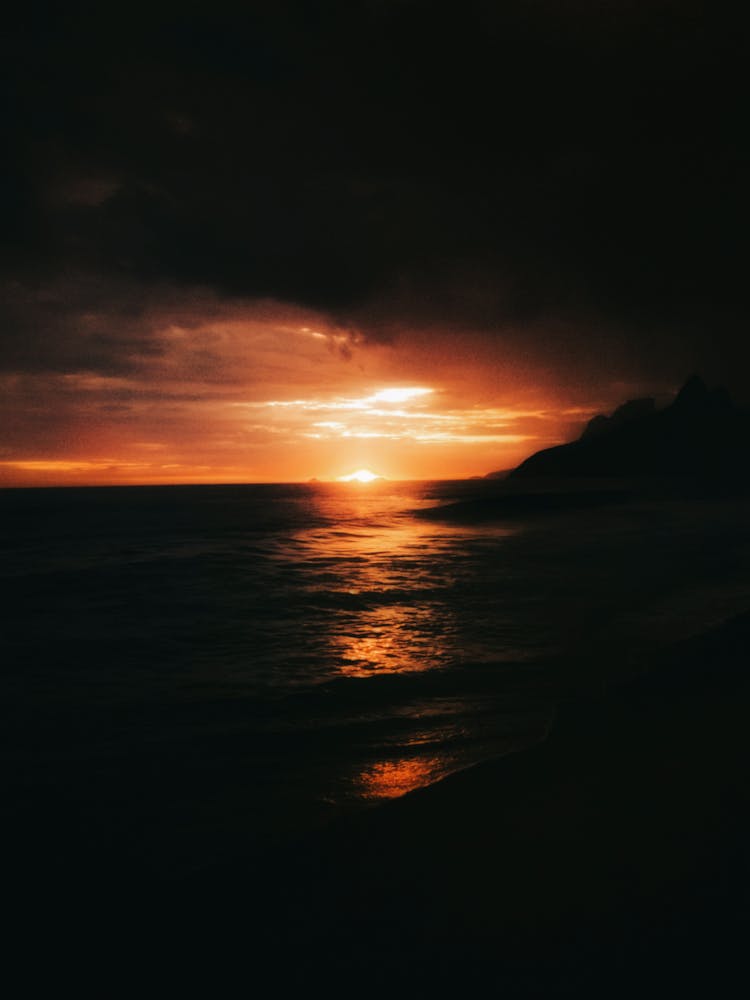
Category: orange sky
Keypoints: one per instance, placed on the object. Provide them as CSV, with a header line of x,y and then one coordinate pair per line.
x,y
205,391
525,254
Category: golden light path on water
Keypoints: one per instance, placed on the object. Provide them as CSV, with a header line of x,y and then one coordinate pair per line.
x,y
392,578
391,575
391,640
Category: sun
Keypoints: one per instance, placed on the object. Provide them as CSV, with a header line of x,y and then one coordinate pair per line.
x,y
360,476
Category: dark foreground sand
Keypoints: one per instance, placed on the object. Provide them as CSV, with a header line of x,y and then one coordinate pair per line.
x,y
609,860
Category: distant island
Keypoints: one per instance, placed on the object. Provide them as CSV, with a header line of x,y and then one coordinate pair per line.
x,y
702,433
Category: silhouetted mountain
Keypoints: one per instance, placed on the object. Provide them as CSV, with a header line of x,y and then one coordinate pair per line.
x,y
632,410
702,433
498,474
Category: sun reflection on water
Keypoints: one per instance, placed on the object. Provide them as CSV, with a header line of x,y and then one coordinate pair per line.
x,y
391,639
384,582
391,778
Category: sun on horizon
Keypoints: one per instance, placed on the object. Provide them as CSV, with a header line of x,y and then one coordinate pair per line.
x,y
360,476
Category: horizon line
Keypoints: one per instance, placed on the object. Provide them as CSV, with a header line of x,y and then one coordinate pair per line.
x,y
259,482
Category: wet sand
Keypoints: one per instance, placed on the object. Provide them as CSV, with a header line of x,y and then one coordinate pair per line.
x,y
612,857
609,859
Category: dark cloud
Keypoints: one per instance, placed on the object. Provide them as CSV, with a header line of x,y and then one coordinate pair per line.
x,y
527,165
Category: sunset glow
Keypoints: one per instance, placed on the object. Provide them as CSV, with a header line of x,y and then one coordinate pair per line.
x,y
329,288
360,476
375,415
199,390
399,395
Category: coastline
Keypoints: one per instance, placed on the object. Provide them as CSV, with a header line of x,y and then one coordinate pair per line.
x,y
605,855
610,857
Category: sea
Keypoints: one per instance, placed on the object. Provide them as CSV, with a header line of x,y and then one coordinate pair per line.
x,y
192,672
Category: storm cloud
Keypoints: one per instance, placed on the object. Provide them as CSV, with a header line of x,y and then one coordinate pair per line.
x,y
563,186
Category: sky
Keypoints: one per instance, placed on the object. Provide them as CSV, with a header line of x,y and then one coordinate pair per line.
x,y
278,241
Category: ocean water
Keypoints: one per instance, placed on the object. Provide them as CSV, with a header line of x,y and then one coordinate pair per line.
x,y
190,670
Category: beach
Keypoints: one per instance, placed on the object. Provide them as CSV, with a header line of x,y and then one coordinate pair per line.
x,y
567,823
374,500
608,859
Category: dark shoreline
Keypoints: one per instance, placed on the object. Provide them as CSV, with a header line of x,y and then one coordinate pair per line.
x,y
604,856
611,856
609,859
